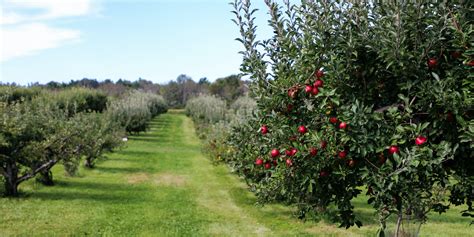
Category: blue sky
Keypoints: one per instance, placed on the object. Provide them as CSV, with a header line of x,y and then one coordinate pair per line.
x,y
59,40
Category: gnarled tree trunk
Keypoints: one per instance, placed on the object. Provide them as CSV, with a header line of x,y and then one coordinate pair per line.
x,y
11,180
89,163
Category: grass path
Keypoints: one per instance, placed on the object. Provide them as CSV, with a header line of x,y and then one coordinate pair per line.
x,y
161,185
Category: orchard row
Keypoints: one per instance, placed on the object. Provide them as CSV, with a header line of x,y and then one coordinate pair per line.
x,y
40,129
353,95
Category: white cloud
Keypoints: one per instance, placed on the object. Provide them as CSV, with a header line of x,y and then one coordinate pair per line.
x,y
25,28
27,39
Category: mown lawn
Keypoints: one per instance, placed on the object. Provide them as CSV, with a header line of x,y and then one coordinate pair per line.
x,y
161,185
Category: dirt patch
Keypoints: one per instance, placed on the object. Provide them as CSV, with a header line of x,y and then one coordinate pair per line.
x,y
138,178
167,179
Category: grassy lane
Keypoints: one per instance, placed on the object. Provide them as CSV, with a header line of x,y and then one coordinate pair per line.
x,y
161,185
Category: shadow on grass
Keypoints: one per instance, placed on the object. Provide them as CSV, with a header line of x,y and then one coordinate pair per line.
x,y
97,197
133,154
124,170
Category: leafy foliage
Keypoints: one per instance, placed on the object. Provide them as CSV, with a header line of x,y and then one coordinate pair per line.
x,y
136,110
361,78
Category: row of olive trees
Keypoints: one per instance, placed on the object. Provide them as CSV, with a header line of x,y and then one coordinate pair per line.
x,y
40,130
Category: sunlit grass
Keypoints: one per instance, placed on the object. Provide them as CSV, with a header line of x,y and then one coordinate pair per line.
x,y
162,185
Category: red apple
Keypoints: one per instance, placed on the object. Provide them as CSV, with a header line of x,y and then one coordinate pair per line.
x,y
275,163
324,144
319,73
315,91
323,174
275,153
420,140
313,151
308,89
393,149
289,162
342,154
291,152
259,161
302,129
471,63
267,165
264,129
343,125
333,120
318,83
432,63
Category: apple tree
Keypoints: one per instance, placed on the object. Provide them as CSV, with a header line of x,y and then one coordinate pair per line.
x,y
353,94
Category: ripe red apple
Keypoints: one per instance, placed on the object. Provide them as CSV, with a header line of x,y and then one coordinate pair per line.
x,y
291,152
319,73
351,163
308,89
420,140
318,83
267,165
471,63
259,161
315,91
275,163
393,149
342,154
432,63
275,153
333,120
323,174
302,129
343,125
324,144
264,129
289,162
313,151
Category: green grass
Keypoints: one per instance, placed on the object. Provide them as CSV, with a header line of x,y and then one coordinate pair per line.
x,y
161,185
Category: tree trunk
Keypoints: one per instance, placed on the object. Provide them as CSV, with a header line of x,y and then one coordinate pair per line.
x,y
399,222
11,180
46,177
88,162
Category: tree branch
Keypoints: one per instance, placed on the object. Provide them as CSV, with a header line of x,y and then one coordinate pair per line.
x,y
45,166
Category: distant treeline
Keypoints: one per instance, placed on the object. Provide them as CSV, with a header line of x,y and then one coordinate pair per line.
x,y
176,92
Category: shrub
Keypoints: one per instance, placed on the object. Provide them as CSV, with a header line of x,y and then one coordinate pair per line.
x,y
77,100
366,94
12,94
